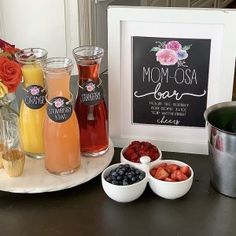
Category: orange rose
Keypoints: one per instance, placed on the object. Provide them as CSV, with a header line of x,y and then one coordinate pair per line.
x,y
10,73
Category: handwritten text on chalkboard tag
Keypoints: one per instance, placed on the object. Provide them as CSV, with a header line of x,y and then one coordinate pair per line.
x,y
34,96
90,93
59,109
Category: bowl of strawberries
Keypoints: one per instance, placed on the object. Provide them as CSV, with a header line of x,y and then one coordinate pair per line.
x,y
170,179
138,153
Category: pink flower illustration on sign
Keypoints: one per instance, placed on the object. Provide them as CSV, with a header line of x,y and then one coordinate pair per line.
x,y
34,91
166,57
174,45
90,87
58,103
171,53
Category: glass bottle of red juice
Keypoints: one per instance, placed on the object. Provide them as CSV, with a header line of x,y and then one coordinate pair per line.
x,y
90,105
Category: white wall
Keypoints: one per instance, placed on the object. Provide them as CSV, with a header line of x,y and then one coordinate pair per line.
x,y
32,23
50,24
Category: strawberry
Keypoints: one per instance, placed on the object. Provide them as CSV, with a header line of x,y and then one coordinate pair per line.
x,y
163,165
185,170
174,175
172,167
161,174
180,176
153,172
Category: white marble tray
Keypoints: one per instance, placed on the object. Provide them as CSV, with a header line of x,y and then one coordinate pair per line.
x,y
36,179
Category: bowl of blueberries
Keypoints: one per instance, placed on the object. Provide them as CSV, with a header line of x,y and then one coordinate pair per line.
x,y
124,182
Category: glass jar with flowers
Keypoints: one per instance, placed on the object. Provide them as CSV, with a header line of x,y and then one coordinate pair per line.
x,y
10,78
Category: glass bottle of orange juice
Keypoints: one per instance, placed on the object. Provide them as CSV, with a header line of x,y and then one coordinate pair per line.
x,y
61,129
33,105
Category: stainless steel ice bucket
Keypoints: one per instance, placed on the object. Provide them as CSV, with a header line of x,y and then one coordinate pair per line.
x,y
221,122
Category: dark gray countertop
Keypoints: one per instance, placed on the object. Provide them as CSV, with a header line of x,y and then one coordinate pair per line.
x,y
86,210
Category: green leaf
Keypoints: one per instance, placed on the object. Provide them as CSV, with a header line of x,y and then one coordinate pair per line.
x,y
155,49
187,47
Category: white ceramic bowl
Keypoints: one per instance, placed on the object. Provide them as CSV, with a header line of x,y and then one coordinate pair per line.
x,y
121,193
139,165
170,190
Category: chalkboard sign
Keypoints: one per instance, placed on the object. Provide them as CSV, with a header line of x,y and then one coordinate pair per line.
x,y
170,80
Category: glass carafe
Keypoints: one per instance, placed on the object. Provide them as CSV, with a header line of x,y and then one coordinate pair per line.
x,y
90,106
32,108
61,129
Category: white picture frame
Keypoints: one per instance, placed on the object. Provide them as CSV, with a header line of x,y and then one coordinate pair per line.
x,y
125,23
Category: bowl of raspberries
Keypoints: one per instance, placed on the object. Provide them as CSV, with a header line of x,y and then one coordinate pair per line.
x,y
140,152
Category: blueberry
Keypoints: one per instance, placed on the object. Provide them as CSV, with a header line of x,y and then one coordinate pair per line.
x,y
129,175
119,177
125,178
108,179
133,179
121,172
114,182
114,174
132,172
117,170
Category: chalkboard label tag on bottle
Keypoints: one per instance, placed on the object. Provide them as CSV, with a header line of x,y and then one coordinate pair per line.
x,y
90,93
34,96
59,109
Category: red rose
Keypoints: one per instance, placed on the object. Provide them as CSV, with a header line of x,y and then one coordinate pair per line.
x,y
10,73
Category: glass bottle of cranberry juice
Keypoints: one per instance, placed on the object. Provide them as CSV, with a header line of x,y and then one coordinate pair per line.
x,y
90,105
